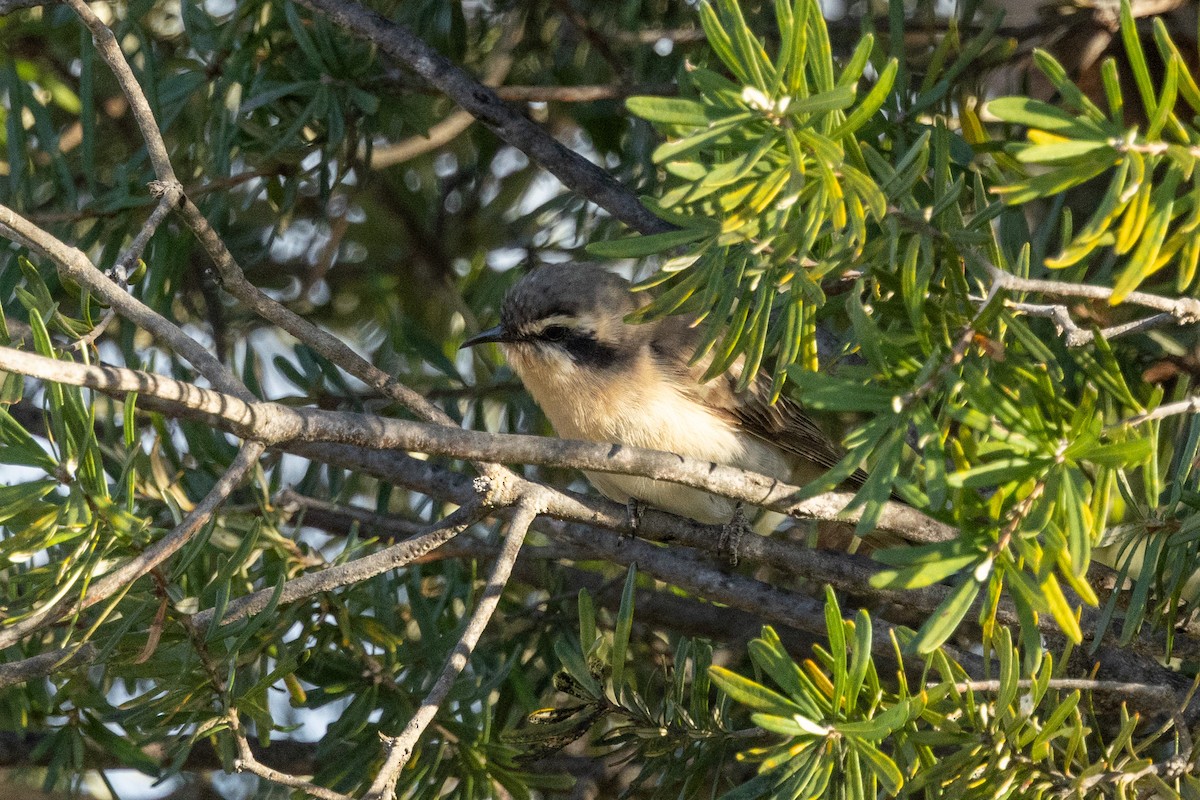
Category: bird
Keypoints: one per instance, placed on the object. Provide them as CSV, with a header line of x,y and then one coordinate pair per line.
x,y
600,378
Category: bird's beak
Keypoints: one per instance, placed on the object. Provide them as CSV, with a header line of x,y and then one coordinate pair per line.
x,y
496,334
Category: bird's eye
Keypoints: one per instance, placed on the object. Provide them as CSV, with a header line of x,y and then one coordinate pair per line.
x,y
555,333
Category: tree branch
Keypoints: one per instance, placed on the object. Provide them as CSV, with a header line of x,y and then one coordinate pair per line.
x,y
576,173
399,748
399,469
273,423
44,664
495,69
74,266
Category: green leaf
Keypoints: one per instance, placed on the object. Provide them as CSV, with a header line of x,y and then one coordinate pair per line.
x,y
1042,116
1053,724
19,497
998,472
673,110
827,393
1187,83
1144,260
1058,151
882,725
750,54
768,654
860,663
679,147
1064,615
946,617
622,631
927,573
587,620
1166,102
1132,40
836,629
1077,516
833,100
572,661
870,104
123,749
884,768
641,246
1058,180
1116,455
12,388
1065,86
858,61
752,694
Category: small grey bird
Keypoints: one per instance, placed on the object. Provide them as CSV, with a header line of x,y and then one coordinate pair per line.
x,y
601,379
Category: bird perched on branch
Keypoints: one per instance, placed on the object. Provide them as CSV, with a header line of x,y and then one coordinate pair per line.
x,y
602,379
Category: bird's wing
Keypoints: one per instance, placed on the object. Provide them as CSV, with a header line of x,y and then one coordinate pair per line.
x,y
783,423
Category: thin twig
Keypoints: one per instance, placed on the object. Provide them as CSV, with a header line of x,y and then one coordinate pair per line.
x,y
593,37
1075,336
89,338
1189,406
168,195
584,93
399,748
1160,695
1184,309
108,48
233,280
246,762
167,188
353,572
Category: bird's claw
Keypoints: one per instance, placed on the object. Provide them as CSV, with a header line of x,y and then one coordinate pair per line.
x,y
634,509
731,535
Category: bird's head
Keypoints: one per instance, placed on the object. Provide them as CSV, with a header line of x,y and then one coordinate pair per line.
x,y
563,319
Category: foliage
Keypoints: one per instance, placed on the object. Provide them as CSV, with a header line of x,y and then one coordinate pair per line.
x,y
822,185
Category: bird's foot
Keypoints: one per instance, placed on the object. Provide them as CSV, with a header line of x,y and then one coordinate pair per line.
x,y
731,535
634,509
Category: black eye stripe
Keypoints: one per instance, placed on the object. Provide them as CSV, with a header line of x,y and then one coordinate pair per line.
x,y
588,351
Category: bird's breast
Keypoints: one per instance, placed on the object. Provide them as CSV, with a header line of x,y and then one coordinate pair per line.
x,y
642,408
